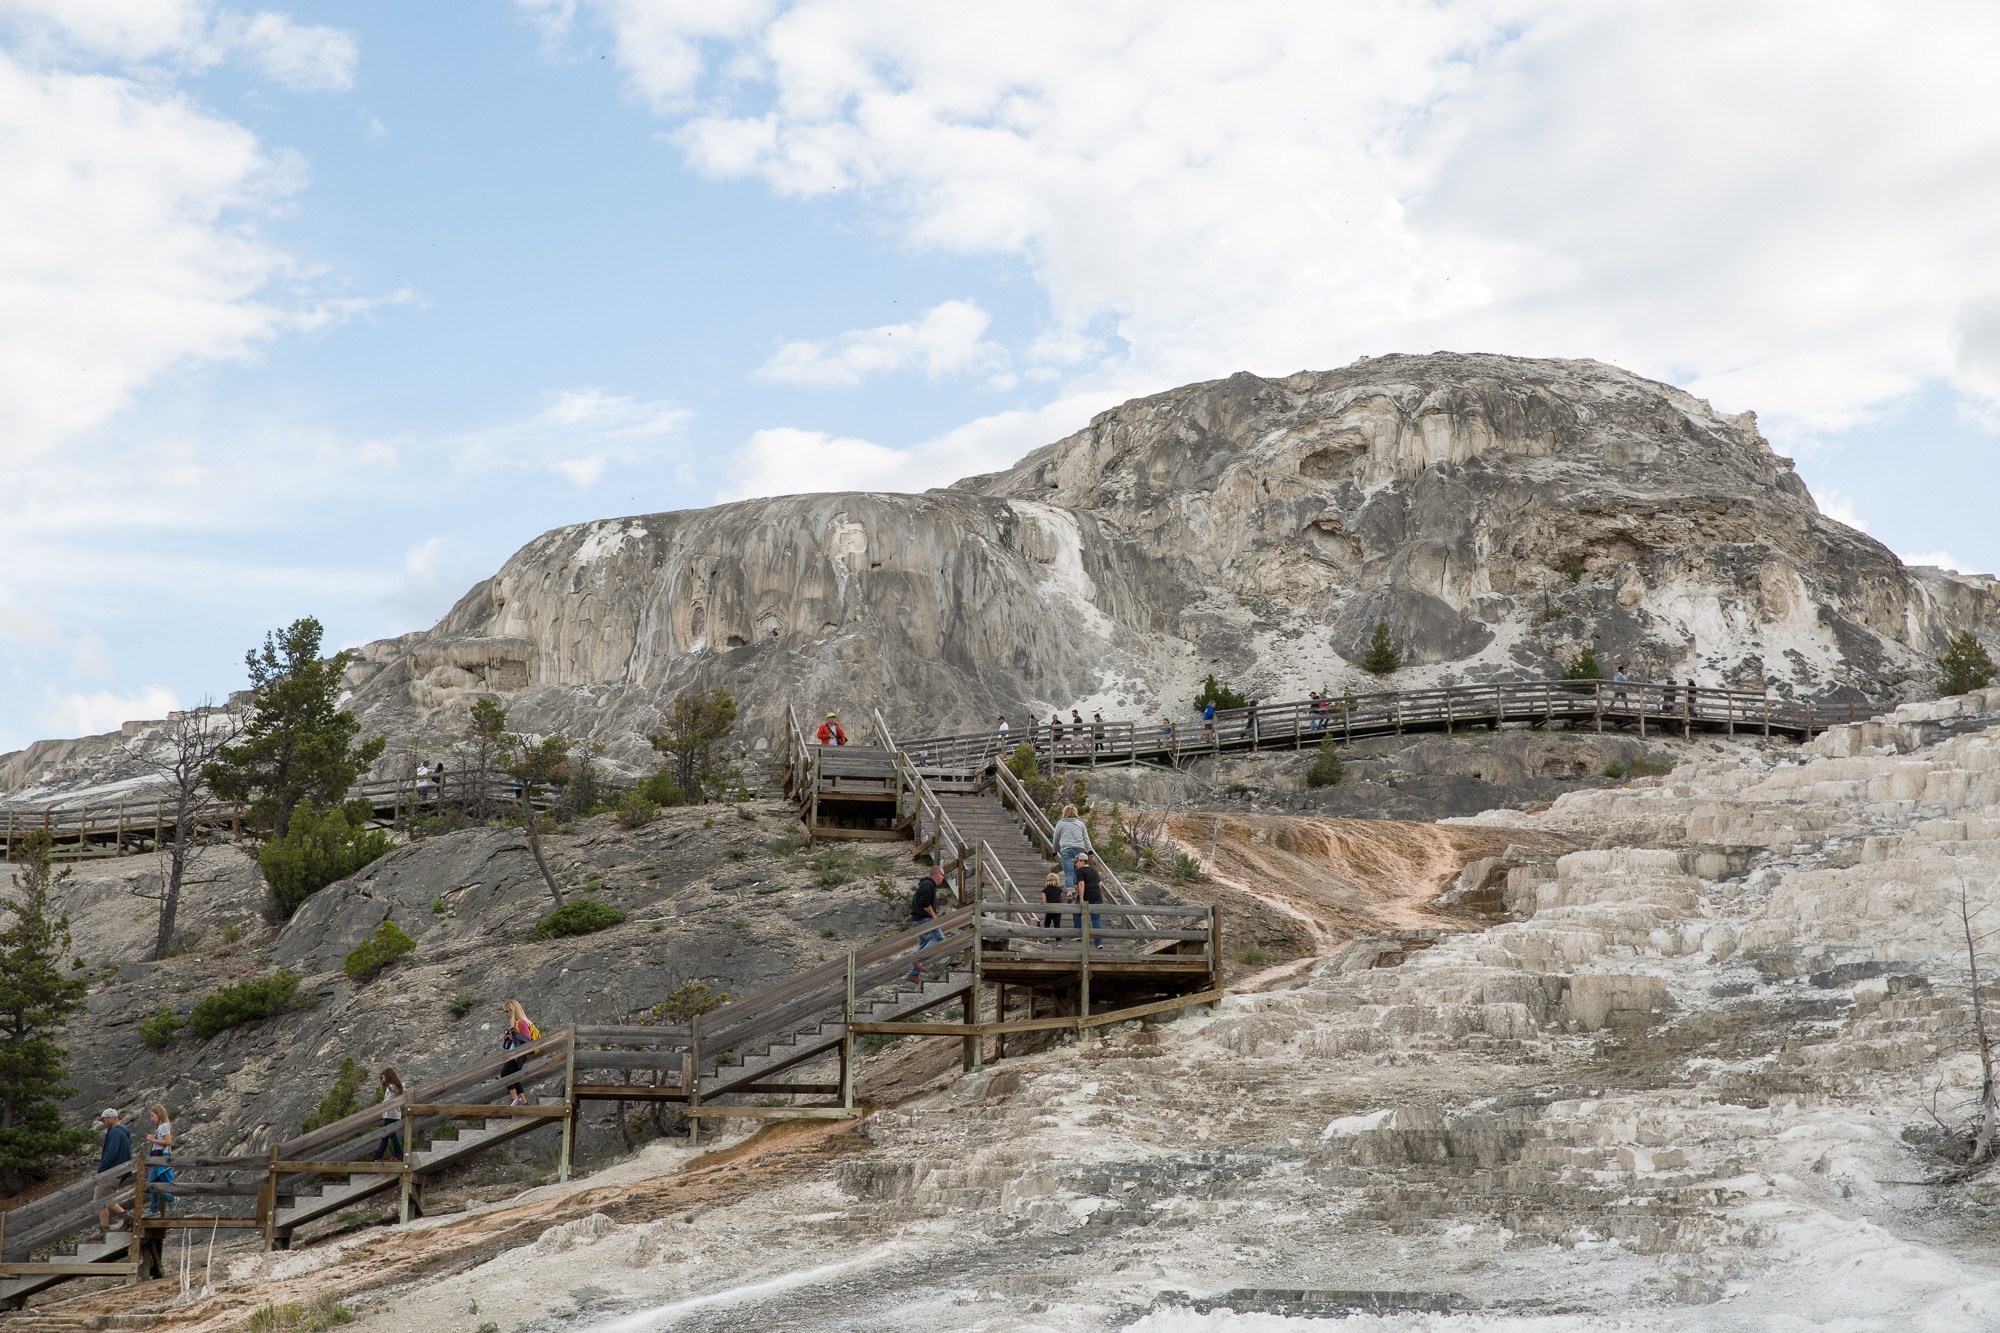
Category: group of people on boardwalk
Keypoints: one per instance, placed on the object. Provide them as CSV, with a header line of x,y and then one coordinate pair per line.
x,y
117,1150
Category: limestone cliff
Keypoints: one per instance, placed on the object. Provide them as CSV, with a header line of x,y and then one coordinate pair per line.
x,y
1499,513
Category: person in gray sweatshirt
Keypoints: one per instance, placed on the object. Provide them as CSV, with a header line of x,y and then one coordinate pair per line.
x,y
1072,838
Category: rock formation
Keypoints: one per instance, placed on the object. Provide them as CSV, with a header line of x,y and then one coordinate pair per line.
x,y
1499,513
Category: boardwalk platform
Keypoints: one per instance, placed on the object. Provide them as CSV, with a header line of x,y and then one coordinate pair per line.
x,y
1641,707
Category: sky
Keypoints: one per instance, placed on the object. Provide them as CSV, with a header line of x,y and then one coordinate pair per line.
x,y
326,309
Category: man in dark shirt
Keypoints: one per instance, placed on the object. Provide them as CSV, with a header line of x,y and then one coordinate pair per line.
x,y
117,1152
924,912
1090,889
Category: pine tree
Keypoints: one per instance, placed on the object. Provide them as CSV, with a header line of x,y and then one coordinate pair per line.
x,y
1585,667
1382,658
698,722
36,999
1213,692
1965,666
299,743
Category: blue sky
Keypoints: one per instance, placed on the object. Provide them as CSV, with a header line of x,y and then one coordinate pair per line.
x,y
327,309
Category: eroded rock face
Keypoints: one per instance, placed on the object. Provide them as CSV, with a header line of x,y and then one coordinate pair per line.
x,y
1500,514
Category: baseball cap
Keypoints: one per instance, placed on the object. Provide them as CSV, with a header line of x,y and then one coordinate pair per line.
x,y
109,1113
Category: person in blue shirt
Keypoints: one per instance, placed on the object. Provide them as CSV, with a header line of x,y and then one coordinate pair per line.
x,y
117,1152
1208,721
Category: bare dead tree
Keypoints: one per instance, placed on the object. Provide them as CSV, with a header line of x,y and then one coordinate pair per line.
x,y
191,741
1989,1107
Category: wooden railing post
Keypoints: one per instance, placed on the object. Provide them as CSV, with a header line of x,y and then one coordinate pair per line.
x,y
847,1039
693,1084
975,1042
567,1153
267,1200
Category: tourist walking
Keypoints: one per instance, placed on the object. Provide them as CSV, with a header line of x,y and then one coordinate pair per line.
x,y
924,912
1072,839
521,1031
1053,893
1250,720
830,732
1089,889
1097,731
437,779
1208,722
1000,739
159,1161
117,1151
391,1144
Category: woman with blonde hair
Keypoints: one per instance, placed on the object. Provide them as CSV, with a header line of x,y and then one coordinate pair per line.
x,y
159,1145
521,1031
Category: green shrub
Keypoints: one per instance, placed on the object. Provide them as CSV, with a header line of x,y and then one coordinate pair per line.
x,y
316,850
160,1030
390,943
325,1311
1187,868
834,867
1326,769
689,1000
1650,768
1585,667
342,1100
661,790
1219,695
463,1003
580,916
245,1002
1965,666
636,809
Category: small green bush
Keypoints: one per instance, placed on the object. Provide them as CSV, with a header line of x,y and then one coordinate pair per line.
x,y
1585,667
342,1100
1187,869
1326,769
324,1312
661,790
1219,695
316,850
834,867
636,809
245,1002
391,942
1650,768
160,1030
581,916
463,1003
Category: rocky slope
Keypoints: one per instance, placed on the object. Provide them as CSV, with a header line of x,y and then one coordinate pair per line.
x,y
1500,513
1680,1076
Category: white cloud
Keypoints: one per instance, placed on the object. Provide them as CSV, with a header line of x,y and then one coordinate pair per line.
x,y
194,34
91,714
578,435
1941,559
308,57
948,340
789,461
436,572
121,247
1785,206
1838,505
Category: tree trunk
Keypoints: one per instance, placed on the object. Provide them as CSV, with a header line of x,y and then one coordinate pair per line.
x,y
535,846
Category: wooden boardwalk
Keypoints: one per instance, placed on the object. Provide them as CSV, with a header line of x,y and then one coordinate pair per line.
x,y
994,965
125,827
1642,707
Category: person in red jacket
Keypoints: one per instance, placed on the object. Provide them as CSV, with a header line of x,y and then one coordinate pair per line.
x,y
830,732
